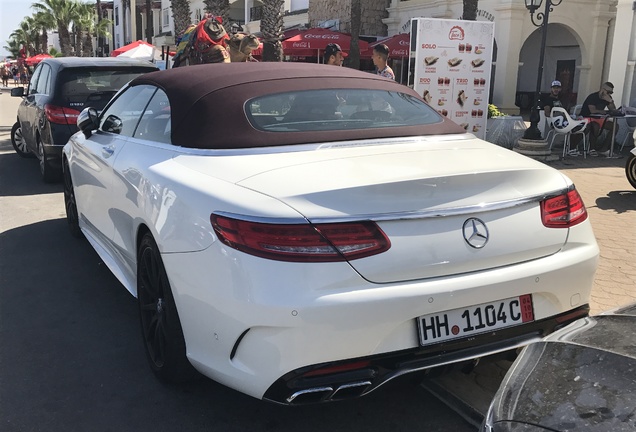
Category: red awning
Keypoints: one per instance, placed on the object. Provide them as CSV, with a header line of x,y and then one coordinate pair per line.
x,y
318,39
31,61
116,52
399,45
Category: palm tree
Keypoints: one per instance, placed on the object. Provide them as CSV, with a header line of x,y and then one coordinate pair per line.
x,y
55,53
13,48
125,4
98,7
26,35
60,11
82,16
44,22
149,23
272,29
219,8
181,16
83,20
356,24
95,30
470,10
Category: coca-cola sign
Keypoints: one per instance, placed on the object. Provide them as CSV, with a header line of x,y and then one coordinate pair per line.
x,y
323,36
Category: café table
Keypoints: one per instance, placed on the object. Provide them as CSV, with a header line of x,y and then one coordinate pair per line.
x,y
615,119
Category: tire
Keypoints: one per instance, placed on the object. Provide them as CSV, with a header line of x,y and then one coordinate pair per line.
x,y
70,204
161,329
18,142
630,170
49,173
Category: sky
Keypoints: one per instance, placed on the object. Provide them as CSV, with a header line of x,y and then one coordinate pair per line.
x,y
12,12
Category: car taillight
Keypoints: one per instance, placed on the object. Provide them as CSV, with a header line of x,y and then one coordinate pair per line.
x,y
302,242
61,115
563,211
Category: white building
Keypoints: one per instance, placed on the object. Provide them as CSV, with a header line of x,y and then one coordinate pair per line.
x,y
583,47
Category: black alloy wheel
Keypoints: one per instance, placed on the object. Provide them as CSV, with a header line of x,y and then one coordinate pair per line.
x,y
630,170
70,204
160,325
18,142
49,174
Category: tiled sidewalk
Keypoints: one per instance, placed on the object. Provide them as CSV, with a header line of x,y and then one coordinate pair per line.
x,y
611,204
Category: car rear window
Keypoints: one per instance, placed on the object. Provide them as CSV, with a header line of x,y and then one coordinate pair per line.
x,y
93,87
337,109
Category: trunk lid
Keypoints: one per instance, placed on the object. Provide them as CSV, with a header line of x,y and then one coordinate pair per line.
x,y
421,194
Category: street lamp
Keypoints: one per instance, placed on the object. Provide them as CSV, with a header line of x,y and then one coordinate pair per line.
x,y
533,132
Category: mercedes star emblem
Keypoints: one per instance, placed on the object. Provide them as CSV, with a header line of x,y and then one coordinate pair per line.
x,y
475,233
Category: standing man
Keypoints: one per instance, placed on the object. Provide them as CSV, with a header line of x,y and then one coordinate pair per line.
x,y
334,55
596,103
380,57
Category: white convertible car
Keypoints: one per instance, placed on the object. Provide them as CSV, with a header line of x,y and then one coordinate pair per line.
x,y
305,233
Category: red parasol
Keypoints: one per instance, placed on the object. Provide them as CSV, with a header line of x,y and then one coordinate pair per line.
x,y
120,50
399,45
318,39
32,61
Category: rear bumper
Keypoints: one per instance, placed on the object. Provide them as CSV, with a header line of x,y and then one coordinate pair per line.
x,y
53,144
257,325
314,384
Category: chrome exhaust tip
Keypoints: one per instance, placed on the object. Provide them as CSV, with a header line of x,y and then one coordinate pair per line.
x,y
316,394
327,393
350,390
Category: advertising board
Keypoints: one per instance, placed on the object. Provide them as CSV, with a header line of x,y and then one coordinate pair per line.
x,y
453,61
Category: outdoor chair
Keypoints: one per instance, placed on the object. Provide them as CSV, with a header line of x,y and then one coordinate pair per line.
x,y
545,125
564,125
631,125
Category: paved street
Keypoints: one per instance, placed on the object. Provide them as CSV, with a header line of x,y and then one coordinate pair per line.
x,y
611,204
71,357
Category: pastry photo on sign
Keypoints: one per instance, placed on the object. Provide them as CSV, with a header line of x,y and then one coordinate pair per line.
x,y
461,98
427,96
455,61
477,62
430,60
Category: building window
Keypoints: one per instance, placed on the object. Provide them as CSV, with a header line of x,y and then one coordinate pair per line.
x,y
166,17
256,13
117,16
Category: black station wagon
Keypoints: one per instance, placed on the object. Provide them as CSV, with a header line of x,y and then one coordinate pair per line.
x,y
59,90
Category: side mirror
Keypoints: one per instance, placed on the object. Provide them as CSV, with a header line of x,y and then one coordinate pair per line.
x,y
87,121
17,92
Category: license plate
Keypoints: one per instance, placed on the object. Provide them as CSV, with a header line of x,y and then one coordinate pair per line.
x,y
472,320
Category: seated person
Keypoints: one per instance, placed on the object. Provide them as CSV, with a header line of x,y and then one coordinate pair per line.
x,y
596,103
553,99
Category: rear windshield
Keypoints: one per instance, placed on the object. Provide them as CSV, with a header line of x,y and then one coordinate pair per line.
x,y
94,86
338,109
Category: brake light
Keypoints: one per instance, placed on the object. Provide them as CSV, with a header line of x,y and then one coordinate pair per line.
x,y
302,242
563,211
61,115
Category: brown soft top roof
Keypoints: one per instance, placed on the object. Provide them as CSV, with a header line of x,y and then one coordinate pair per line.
x,y
207,102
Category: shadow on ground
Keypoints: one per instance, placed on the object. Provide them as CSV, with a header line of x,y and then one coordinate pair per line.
x,y
619,201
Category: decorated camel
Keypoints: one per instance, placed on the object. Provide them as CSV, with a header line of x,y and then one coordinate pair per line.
x,y
208,42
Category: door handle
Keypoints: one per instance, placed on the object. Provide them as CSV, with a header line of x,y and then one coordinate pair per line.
x,y
108,151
